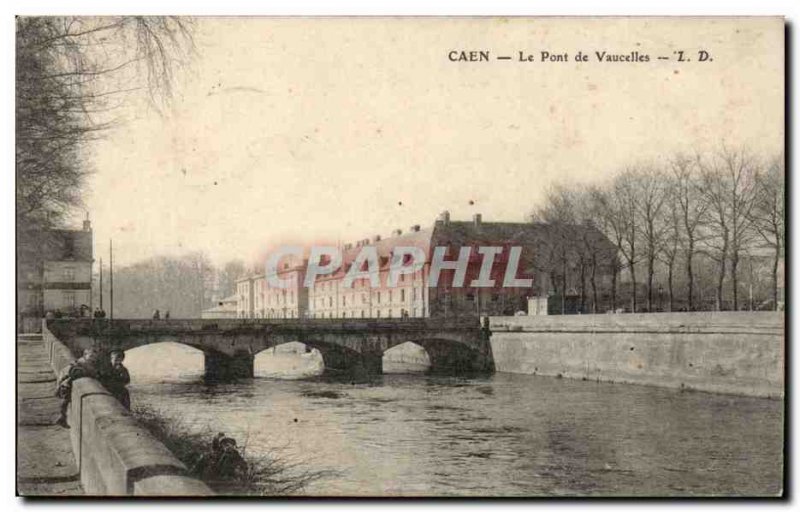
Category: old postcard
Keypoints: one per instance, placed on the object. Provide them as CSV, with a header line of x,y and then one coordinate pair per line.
x,y
398,256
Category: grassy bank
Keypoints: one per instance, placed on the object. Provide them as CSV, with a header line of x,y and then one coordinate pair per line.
x,y
266,475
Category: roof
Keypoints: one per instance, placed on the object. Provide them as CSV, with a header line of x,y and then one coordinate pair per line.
x,y
68,245
420,239
465,233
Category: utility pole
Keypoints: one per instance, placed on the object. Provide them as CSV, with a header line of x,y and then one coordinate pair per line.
x,y
101,284
111,277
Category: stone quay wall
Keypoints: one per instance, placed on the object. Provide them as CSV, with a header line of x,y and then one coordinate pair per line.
x,y
738,353
114,454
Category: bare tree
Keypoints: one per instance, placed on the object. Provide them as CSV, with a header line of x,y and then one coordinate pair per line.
x,y
228,275
610,221
559,214
72,75
670,243
768,215
727,183
649,193
623,204
687,202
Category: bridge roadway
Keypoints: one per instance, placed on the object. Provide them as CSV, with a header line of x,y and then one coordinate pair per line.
x,y
355,346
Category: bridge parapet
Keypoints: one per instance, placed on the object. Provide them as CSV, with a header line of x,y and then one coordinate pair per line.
x,y
86,325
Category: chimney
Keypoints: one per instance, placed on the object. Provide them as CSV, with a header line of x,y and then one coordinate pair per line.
x,y
397,232
476,220
414,228
87,225
445,217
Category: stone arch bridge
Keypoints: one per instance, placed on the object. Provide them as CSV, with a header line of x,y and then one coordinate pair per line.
x,y
454,346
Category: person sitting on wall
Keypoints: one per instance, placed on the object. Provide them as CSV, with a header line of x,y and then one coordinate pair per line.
x,y
116,379
156,315
85,366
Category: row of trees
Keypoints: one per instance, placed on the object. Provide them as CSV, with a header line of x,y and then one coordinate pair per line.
x,y
712,210
183,285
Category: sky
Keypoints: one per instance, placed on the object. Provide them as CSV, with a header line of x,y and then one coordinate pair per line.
x,y
307,130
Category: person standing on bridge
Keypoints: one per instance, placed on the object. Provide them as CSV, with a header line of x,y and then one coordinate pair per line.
x,y
85,366
116,379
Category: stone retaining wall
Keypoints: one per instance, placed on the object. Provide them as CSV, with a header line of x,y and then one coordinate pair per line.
x,y
726,352
114,454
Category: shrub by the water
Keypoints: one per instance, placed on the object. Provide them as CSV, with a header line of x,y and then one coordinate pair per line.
x,y
266,475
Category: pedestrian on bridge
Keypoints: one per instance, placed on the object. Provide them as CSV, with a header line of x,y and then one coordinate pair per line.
x,y
156,315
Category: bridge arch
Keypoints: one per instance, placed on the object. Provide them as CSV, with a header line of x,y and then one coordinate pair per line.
x,y
406,357
164,360
450,357
288,360
344,360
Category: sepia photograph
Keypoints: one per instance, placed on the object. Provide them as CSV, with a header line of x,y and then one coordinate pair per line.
x,y
400,257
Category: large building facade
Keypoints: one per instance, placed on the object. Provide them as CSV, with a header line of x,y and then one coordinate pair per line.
x,y
413,294
256,299
60,280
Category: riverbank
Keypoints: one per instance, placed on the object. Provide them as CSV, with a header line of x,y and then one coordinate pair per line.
x,y
266,474
740,353
45,462
114,454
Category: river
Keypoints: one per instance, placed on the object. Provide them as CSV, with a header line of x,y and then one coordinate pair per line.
x,y
500,435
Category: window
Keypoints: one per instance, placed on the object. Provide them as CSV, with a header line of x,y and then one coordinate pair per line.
x,y
69,274
68,299
402,295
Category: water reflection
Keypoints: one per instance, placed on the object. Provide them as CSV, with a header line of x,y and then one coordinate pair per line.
x,y
498,435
